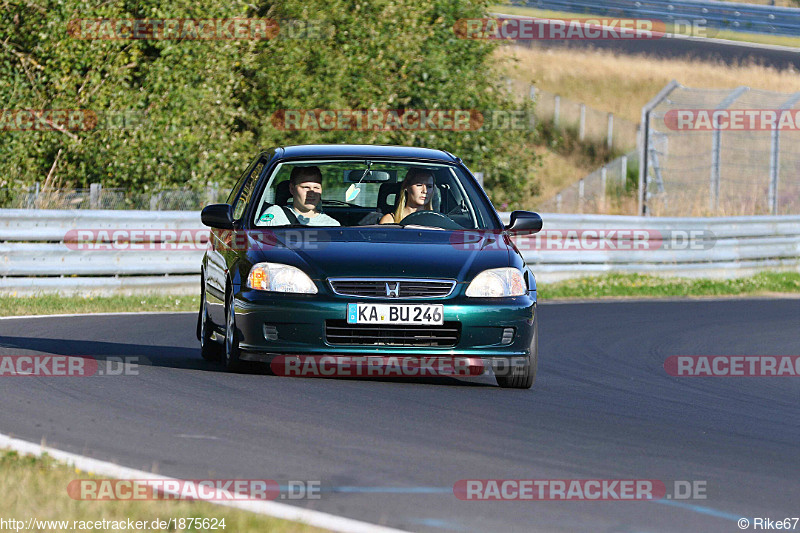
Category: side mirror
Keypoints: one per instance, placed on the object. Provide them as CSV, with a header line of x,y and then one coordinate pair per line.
x,y
524,222
218,216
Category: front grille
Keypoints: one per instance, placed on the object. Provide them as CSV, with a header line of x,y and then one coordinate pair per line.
x,y
339,332
406,288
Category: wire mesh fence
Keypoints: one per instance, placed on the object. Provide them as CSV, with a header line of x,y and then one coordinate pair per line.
x,y
589,124
722,152
97,197
605,190
609,188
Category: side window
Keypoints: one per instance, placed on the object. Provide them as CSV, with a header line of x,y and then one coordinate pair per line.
x,y
238,185
247,190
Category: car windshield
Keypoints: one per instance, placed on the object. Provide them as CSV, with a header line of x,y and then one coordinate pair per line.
x,y
363,193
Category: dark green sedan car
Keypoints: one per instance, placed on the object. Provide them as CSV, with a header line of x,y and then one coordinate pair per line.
x,y
370,252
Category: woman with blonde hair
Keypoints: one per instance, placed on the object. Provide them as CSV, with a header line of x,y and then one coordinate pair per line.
x,y
416,194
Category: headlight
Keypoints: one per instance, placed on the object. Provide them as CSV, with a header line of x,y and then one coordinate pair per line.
x,y
497,283
276,277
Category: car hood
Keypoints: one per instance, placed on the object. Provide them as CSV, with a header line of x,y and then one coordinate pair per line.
x,y
389,252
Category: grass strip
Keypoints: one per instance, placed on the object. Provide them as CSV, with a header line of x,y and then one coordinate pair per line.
x,y
50,304
605,286
644,286
36,487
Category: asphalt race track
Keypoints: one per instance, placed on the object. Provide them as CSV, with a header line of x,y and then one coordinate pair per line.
x,y
389,451
713,50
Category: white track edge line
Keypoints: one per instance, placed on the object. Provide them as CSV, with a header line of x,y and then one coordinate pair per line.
x,y
110,313
269,508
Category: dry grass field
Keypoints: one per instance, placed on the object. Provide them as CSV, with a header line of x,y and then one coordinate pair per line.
x,y
619,84
622,84
36,488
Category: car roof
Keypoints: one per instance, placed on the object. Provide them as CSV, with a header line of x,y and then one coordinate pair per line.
x,y
365,151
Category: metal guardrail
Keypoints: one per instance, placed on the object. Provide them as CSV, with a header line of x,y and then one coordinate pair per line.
x,y
99,197
34,257
727,247
712,14
32,244
52,224
105,286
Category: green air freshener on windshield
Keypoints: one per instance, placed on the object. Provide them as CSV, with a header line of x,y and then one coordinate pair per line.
x,y
351,193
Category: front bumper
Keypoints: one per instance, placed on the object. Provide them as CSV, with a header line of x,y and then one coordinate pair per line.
x,y
295,325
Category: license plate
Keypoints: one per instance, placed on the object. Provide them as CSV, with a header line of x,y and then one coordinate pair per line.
x,y
426,314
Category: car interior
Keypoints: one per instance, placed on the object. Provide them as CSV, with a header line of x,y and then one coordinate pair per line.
x,y
447,200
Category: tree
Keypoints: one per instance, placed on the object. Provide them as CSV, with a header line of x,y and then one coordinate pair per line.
x,y
184,112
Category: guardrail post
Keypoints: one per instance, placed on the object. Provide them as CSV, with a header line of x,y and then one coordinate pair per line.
x,y
774,165
556,110
603,184
211,193
94,195
582,123
713,202
623,171
558,203
610,134
581,192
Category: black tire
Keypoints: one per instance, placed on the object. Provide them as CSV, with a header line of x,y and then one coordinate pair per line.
x,y
210,350
523,376
232,361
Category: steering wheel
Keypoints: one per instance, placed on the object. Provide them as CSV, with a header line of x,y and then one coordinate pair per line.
x,y
460,209
430,218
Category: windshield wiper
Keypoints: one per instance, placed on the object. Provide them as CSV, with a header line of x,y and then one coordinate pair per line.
x,y
420,226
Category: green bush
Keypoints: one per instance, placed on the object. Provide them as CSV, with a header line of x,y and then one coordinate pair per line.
x,y
198,110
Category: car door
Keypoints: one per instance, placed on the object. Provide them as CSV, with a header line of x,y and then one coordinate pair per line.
x,y
222,249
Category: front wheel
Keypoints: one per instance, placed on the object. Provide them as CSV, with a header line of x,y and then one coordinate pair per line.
x,y
519,377
210,350
232,361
